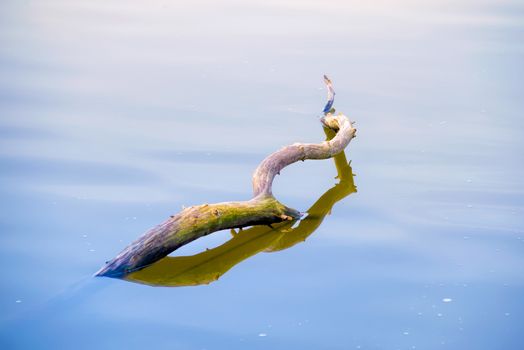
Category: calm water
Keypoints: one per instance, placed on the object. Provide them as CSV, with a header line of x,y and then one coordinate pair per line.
x,y
114,115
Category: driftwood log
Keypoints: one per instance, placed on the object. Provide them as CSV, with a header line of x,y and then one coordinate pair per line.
x,y
263,209
210,264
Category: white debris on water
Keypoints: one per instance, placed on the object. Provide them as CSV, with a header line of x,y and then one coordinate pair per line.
x,y
18,301
447,300
262,334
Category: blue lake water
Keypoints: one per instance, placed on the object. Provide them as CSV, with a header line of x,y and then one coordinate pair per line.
x,y
114,115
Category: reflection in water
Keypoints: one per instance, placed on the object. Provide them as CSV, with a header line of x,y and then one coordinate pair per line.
x,y
208,266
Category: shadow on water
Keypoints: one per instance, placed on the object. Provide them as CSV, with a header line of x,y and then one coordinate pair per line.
x,y
209,265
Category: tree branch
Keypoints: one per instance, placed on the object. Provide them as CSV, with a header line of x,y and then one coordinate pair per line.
x,y
210,264
195,222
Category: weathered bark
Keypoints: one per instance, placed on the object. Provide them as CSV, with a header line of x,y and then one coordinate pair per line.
x,y
271,166
198,221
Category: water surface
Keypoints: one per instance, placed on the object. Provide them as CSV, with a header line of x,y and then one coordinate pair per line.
x,y
114,115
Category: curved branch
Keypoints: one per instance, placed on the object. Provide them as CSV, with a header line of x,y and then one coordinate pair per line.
x,y
210,264
198,221
274,163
